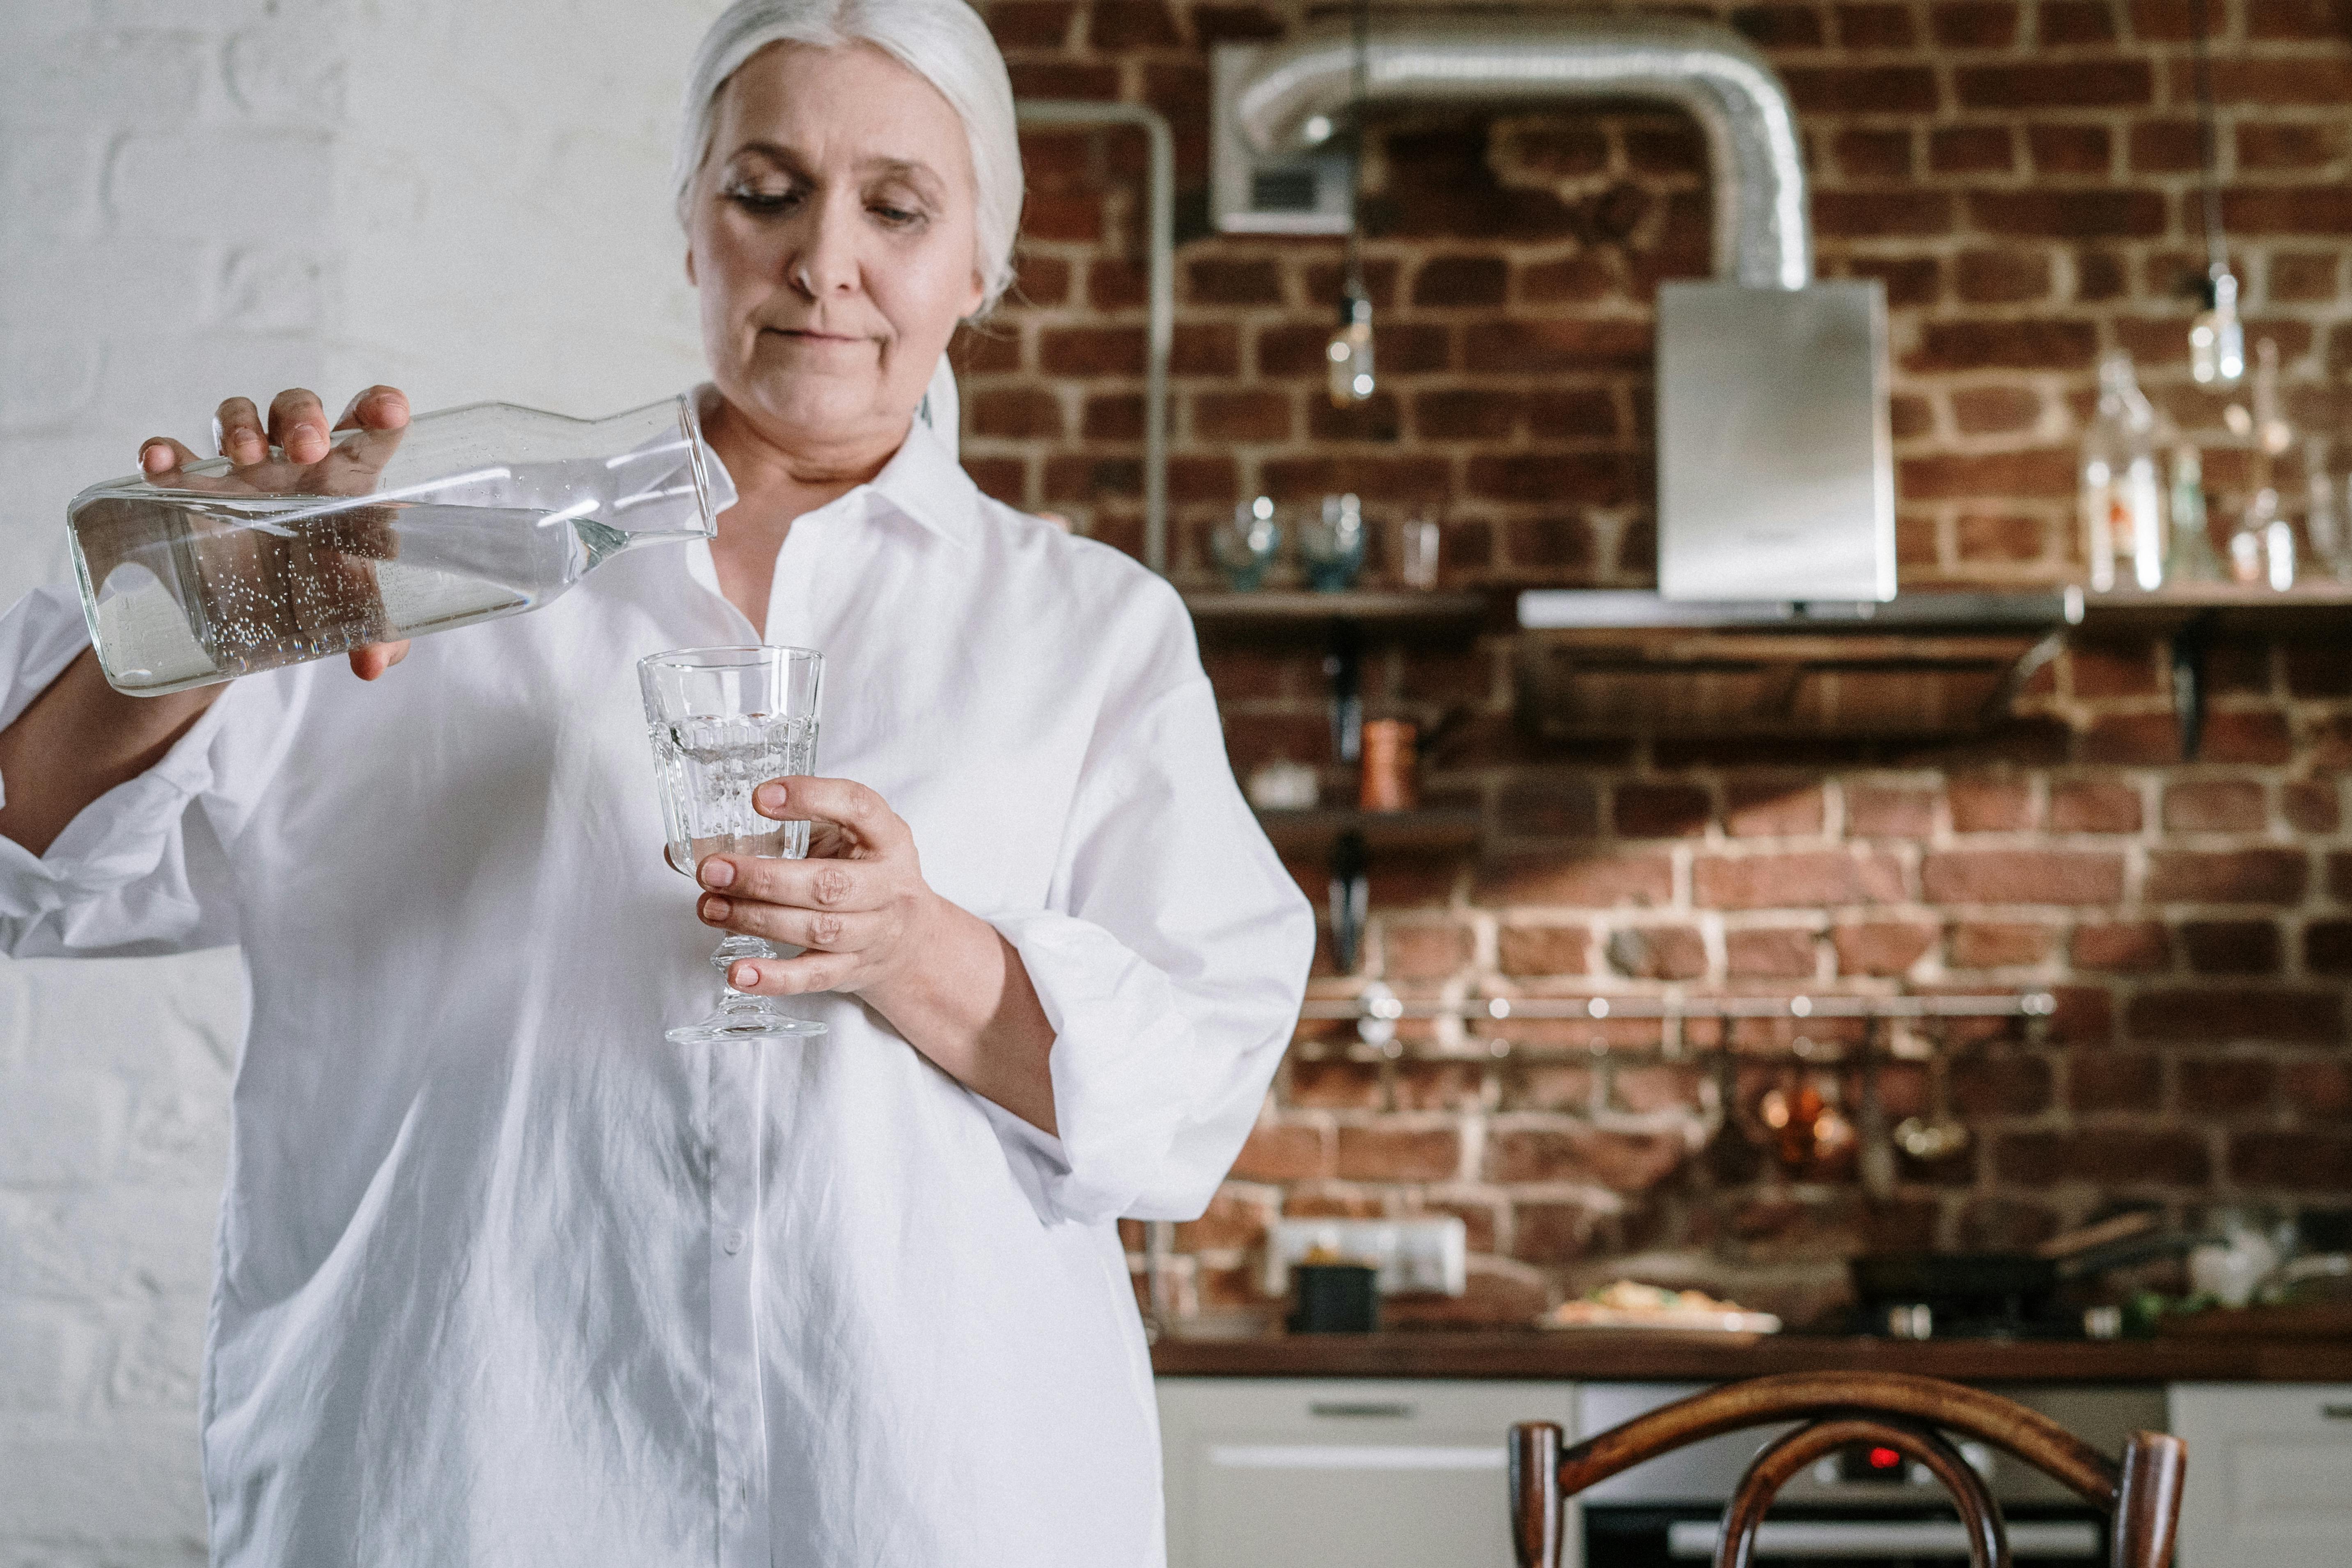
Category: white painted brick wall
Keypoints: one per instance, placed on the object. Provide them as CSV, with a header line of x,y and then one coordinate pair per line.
x,y
206,196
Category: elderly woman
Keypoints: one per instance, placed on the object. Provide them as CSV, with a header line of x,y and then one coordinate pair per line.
x,y
506,1278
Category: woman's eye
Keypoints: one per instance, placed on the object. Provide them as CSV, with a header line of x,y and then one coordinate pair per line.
x,y
753,200
895,216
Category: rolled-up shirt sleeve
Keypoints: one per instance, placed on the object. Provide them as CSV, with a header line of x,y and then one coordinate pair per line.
x,y
137,871
1170,966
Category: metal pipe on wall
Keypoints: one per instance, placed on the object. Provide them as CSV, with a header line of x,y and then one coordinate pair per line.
x,y
1762,237
1161,197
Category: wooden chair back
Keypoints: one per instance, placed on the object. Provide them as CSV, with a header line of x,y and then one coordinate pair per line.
x,y
2141,1495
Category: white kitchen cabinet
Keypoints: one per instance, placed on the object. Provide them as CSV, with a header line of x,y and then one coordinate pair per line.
x,y
1280,1473
2270,1474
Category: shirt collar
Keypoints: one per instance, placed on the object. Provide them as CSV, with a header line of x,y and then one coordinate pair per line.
x,y
922,482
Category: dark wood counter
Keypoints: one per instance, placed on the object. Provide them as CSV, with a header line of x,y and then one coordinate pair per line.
x,y
1635,1356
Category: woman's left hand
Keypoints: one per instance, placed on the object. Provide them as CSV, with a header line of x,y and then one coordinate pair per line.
x,y
858,904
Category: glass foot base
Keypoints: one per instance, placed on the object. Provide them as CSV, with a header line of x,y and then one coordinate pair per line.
x,y
742,1027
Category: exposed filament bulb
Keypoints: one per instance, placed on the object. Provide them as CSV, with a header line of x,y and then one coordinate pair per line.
x,y
2217,338
1350,352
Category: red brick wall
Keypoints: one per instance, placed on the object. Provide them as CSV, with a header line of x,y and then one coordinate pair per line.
x,y
2021,177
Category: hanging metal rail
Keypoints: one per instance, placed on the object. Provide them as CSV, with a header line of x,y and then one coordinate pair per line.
x,y
1376,1011
1378,1002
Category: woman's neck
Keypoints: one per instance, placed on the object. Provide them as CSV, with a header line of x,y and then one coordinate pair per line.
x,y
776,480
774,485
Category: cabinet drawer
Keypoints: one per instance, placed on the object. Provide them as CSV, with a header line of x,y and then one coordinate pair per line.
x,y
1271,1473
2270,1474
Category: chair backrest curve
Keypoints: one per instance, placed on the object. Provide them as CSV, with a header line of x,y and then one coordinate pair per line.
x,y
1808,1396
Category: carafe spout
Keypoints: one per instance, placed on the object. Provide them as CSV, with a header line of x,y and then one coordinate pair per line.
x,y
664,486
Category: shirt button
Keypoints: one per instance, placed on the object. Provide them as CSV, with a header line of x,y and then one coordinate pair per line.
x,y
732,1241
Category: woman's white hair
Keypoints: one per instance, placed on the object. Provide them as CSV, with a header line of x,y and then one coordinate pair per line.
x,y
943,41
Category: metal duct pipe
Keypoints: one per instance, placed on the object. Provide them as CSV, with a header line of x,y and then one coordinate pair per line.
x,y
1160,252
1762,238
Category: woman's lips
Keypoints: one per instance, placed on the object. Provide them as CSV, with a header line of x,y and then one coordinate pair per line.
x,y
806,335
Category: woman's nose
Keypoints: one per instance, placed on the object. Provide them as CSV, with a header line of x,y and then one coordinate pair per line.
x,y
827,260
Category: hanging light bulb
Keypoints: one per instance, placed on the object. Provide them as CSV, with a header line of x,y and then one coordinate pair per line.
x,y
1347,357
2217,339
1351,351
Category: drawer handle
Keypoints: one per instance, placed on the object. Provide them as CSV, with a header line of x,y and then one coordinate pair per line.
x,y
2335,1412
1388,1409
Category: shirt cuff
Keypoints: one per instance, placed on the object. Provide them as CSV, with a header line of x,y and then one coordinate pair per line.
x,y
1122,1065
125,834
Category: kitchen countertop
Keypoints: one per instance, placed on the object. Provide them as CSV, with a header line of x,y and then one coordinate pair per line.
x,y
1638,1355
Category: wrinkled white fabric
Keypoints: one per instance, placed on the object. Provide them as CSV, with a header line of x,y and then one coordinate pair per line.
x,y
506,1278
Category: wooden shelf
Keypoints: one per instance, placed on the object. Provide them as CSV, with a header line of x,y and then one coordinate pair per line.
x,y
1430,829
2312,605
1280,608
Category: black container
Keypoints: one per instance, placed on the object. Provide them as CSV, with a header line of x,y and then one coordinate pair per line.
x,y
1336,1299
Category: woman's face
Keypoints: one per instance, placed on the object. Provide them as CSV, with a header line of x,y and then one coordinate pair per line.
x,y
831,236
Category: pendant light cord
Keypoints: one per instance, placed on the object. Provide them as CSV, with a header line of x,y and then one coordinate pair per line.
x,y
2208,150
1359,82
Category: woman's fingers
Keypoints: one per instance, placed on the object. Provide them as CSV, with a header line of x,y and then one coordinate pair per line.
x,y
846,801
799,977
373,660
378,407
297,425
238,433
825,930
160,455
841,886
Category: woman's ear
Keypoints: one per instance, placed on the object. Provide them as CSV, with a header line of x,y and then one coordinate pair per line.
x,y
971,301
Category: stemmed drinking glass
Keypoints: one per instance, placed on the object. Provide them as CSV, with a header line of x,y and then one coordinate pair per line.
x,y
724,721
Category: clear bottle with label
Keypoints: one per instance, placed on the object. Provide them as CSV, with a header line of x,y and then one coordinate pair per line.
x,y
466,515
2122,502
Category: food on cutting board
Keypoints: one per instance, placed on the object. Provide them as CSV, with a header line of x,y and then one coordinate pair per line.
x,y
1629,1304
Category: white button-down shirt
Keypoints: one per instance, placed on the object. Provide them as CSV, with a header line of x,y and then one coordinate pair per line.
x,y
504,1277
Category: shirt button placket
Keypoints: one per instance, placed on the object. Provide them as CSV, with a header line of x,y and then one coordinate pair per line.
x,y
740,1448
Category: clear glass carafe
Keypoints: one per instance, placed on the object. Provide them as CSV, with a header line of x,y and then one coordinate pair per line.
x,y
466,515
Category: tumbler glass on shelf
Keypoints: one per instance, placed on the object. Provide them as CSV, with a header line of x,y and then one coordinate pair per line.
x,y
1331,547
1248,545
464,515
725,720
1417,542
2261,549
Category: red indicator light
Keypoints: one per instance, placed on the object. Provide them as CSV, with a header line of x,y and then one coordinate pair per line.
x,y
1885,1458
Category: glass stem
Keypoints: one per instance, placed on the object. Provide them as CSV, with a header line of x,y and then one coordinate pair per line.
x,y
724,958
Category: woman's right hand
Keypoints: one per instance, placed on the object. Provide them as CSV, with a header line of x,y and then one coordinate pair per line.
x,y
293,452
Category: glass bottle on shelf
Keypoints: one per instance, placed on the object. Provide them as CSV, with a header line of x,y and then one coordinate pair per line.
x,y
2193,560
2262,546
2122,505
2322,517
